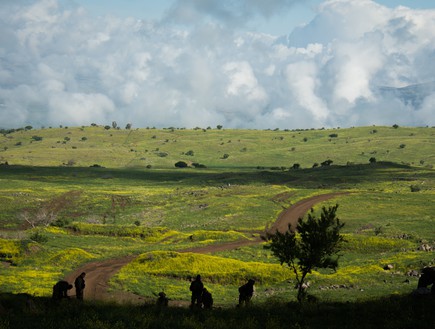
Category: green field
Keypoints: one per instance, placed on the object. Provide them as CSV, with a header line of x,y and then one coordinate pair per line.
x,y
94,193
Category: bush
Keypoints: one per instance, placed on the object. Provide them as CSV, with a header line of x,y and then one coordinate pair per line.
x,y
415,188
181,164
38,237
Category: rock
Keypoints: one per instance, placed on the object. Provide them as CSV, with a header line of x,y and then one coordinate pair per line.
x,y
388,267
413,273
425,247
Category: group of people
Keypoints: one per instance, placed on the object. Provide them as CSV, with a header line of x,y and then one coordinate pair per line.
x,y
202,298
61,288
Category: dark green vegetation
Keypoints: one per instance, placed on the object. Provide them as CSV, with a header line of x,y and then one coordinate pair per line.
x,y
313,243
390,312
74,195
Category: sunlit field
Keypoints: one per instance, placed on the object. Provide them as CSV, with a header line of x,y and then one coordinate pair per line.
x,y
81,194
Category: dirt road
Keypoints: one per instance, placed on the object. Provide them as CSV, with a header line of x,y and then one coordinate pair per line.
x,y
99,273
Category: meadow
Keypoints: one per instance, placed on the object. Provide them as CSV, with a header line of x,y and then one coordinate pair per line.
x,y
72,195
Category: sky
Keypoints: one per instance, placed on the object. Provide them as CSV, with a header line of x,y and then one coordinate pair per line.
x,y
254,64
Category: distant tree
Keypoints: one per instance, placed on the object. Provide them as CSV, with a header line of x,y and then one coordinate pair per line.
x,y
181,164
219,127
372,160
225,156
38,217
402,146
128,126
296,166
84,139
37,138
28,128
315,244
114,125
198,165
395,126
326,163
333,135
107,127
305,139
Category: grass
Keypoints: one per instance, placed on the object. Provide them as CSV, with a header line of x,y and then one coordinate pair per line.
x,y
136,202
387,312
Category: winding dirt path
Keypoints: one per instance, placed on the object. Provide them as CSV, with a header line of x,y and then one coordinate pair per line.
x,y
99,273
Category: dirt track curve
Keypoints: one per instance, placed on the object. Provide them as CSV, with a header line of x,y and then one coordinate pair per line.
x,y
99,273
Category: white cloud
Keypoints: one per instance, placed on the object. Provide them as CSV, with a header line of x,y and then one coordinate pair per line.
x,y
59,65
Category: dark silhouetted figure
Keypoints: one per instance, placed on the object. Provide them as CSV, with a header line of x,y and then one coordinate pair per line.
x,y
207,299
245,292
79,283
196,287
162,300
427,278
60,290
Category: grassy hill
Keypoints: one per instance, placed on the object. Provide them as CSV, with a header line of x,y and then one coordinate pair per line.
x,y
105,193
138,148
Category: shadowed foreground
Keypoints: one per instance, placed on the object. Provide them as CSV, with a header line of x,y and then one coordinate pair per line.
x,y
17,311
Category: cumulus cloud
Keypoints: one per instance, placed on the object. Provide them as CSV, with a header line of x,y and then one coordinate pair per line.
x,y
198,67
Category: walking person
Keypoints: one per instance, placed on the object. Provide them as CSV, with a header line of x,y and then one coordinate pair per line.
x,y
79,283
196,287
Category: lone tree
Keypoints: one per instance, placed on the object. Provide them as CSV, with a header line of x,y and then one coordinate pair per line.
x,y
313,245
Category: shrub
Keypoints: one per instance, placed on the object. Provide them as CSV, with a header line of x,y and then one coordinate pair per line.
x,y
181,164
415,188
326,163
38,237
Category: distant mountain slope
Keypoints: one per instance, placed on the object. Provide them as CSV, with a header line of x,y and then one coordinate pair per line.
x,y
413,95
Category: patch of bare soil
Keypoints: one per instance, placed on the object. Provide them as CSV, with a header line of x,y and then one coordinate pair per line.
x,y
99,273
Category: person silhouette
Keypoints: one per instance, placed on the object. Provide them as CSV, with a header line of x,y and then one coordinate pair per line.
x,y
60,290
427,278
245,292
162,300
196,287
79,283
207,299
